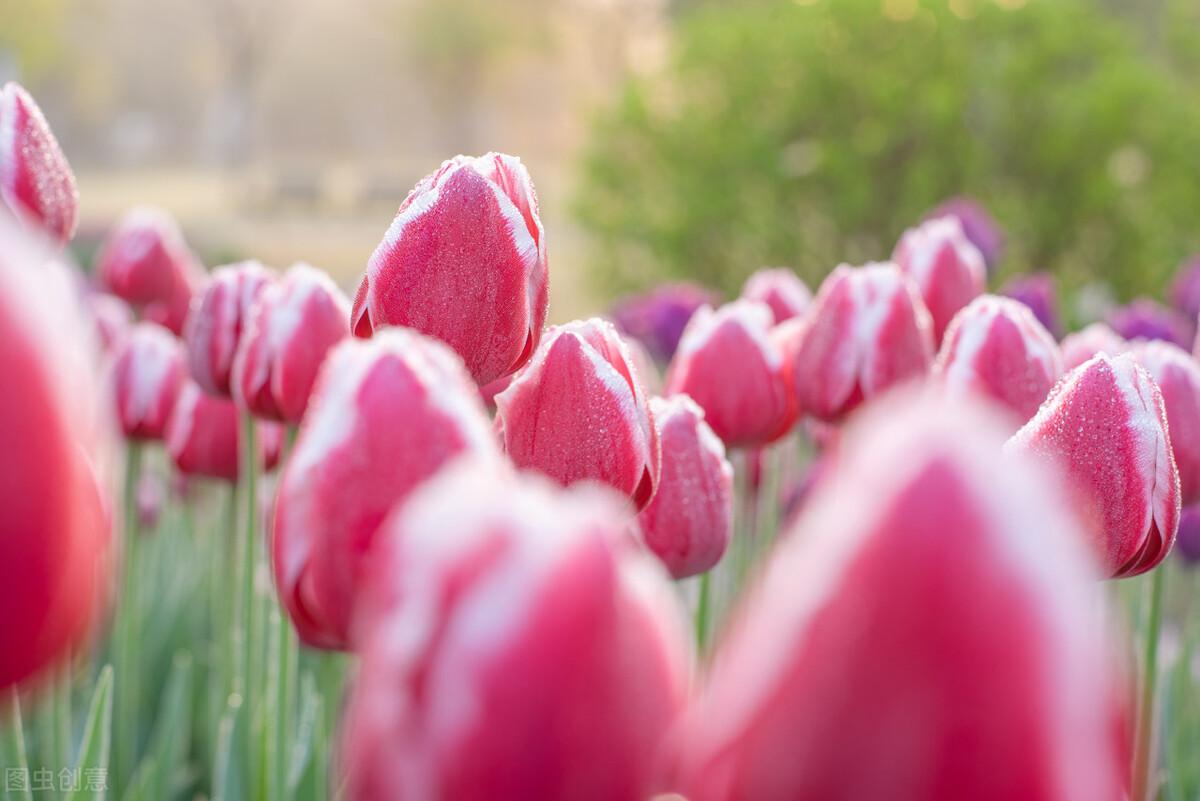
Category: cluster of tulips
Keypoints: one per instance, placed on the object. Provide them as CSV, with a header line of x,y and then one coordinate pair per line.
x,y
552,582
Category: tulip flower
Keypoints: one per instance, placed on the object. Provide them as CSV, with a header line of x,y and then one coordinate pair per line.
x,y
996,347
531,651
204,432
643,364
578,412
148,371
867,331
386,414
1178,377
286,338
977,224
1039,292
948,270
1146,319
112,319
1104,426
56,538
464,262
927,632
689,521
1081,346
36,182
781,289
215,323
1187,544
657,318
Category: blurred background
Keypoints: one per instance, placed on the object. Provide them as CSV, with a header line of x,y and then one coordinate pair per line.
x,y
668,139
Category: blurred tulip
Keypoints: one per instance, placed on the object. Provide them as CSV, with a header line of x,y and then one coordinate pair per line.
x,y
56,538
1105,427
1187,544
948,270
464,262
578,412
657,318
204,432
295,323
1178,377
385,415
781,289
644,367
1038,291
927,633
978,225
1185,289
215,323
866,331
112,318
1146,319
690,519
733,366
1081,346
489,391
997,348
36,182
148,371
531,652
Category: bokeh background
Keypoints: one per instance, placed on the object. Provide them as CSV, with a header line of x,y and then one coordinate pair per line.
x,y
667,139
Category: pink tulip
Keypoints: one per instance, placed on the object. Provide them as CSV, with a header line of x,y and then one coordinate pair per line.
x,y
112,318
1081,346
781,289
148,371
947,268
997,348
36,182
204,433
386,415
286,338
1178,377
643,364
531,651
464,262
56,537
866,332
578,412
1105,427
688,522
732,364
215,323
928,632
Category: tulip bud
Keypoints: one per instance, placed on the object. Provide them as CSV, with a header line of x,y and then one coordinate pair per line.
x,y
1081,346
997,348
464,262
1039,292
56,537
36,182
927,632
385,415
286,338
866,331
1178,377
732,365
781,289
979,226
948,270
688,522
215,323
1146,319
578,412
204,433
657,318
148,372
1187,545
531,651
112,318
1105,427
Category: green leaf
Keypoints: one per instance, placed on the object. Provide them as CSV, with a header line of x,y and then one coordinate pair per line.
x,y
92,765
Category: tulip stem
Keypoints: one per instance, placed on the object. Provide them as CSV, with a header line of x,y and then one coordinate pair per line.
x,y
14,753
126,646
252,641
1144,783
703,604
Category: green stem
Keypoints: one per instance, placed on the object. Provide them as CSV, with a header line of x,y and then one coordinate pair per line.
x,y
703,604
248,477
127,629
14,754
1143,782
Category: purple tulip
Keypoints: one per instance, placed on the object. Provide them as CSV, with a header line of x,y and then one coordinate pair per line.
x,y
1187,541
1146,319
1038,291
979,226
1185,289
657,318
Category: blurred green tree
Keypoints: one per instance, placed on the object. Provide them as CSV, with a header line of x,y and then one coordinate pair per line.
x,y
809,132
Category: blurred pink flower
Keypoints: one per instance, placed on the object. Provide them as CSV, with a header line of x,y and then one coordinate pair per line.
x,y
147,374
217,319
947,268
36,182
781,289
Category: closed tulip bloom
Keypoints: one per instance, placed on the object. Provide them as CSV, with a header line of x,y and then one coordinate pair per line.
x,y
578,412
1187,545
1082,345
781,289
56,537
386,415
464,262
997,348
215,323
1178,377
1105,427
948,270
927,632
732,364
112,318
290,330
204,433
979,226
532,651
148,371
1148,319
1038,291
657,318
867,331
36,182
689,521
